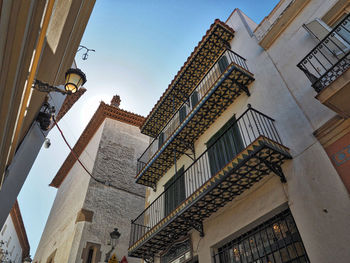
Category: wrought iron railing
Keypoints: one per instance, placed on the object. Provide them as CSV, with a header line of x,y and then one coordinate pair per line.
x,y
205,84
235,138
330,58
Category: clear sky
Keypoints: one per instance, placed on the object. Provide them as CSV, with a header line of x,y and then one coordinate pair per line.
x,y
140,46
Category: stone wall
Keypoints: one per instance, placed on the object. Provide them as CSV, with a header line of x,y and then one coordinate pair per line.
x,y
61,227
116,205
12,245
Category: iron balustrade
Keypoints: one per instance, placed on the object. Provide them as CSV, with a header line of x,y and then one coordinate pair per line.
x,y
330,58
205,84
248,127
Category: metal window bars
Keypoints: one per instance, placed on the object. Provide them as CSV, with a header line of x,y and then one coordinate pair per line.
x,y
276,240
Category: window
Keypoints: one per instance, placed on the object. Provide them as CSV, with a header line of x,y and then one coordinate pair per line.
x,y
160,140
8,242
276,240
194,98
11,252
182,113
224,145
3,230
51,258
90,255
223,63
174,191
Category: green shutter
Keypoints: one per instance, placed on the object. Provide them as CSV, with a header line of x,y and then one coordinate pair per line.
x,y
223,63
160,140
224,145
182,113
194,99
174,192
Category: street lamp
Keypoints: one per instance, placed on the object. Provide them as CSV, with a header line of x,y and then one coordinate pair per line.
x,y
115,235
75,78
27,259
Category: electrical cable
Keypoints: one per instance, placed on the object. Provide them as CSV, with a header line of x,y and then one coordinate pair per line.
x,y
105,183
84,150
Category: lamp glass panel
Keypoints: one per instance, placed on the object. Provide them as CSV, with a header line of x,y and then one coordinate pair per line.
x,y
74,78
70,87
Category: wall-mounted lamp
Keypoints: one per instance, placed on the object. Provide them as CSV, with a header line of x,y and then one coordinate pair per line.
x,y
75,78
115,235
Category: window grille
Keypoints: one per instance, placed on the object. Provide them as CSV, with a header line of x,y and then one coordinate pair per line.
x,y
274,241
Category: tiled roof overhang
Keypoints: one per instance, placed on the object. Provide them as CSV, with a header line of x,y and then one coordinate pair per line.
x,y
69,102
104,111
20,229
197,64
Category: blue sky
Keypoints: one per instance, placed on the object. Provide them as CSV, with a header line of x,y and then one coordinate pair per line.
x,y
140,45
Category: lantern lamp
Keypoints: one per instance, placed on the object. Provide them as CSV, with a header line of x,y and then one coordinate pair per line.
x,y
75,78
115,234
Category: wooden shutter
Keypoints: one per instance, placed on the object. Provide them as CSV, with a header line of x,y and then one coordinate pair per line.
x,y
182,113
174,191
224,145
160,140
223,63
194,98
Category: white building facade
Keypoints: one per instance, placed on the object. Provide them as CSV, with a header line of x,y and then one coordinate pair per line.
x,y
14,246
88,207
246,164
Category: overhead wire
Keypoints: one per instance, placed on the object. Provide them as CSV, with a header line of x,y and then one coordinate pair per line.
x,y
84,150
105,183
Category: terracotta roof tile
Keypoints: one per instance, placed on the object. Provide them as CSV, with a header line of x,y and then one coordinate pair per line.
x,y
20,229
216,22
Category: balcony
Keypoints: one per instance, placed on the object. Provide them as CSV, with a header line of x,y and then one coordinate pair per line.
x,y
327,67
204,55
224,81
245,152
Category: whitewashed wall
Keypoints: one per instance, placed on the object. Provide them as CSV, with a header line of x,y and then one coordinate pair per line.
x,y
9,236
60,227
283,92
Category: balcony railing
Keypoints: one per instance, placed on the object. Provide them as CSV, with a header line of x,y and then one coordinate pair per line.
x,y
235,138
202,88
330,58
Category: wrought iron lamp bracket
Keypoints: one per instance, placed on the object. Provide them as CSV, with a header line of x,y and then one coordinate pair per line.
x,y
275,168
45,87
